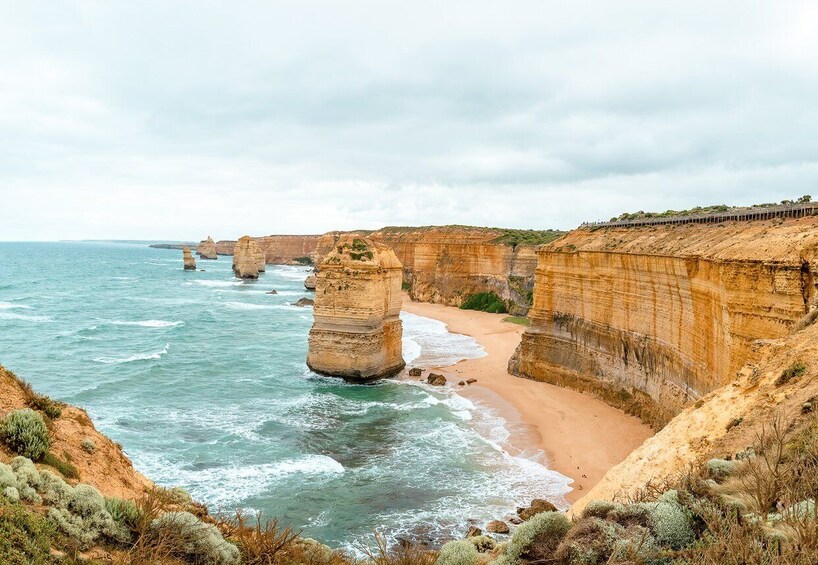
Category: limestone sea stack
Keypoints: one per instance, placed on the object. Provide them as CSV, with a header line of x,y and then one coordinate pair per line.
x,y
190,262
207,249
356,333
246,258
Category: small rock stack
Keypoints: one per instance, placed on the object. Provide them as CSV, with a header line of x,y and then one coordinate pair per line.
x,y
247,258
187,257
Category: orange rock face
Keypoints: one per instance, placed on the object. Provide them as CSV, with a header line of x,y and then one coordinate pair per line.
x,y
189,261
357,329
671,312
289,249
248,258
447,264
207,249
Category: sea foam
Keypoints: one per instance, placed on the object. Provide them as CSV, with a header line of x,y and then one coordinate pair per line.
x,y
135,357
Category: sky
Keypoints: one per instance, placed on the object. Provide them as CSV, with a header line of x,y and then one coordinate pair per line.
x,y
177,120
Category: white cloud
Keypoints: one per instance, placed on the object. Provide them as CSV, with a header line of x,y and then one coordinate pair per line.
x,y
175,120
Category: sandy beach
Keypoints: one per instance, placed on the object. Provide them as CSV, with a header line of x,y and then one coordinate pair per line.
x,y
582,437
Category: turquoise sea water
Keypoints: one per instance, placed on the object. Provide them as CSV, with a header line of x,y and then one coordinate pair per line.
x,y
201,378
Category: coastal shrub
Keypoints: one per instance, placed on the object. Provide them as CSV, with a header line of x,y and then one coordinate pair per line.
x,y
175,495
482,543
28,479
89,446
45,405
25,537
485,302
539,537
85,520
123,511
383,554
720,469
65,468
195,540
11,494
637,545
261,542
54,490
794,371
589,542
671,522
460,552
600,508
7,476
25,433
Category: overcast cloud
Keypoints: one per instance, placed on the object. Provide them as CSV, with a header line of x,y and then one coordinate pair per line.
x,y
180,119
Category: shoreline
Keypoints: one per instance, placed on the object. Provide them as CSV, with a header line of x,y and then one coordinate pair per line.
x,y
581,436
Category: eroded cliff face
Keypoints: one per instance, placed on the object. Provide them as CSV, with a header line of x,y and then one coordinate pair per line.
x,y
447,264
207,249
357,332
659,316
289,249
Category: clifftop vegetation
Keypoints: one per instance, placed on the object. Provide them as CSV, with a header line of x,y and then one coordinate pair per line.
x,y
703,210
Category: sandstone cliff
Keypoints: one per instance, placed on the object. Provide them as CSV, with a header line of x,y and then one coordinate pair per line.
x,y
107,468
289,249
446,264
727,420
247,258
189,261
357,329
207,249
655,317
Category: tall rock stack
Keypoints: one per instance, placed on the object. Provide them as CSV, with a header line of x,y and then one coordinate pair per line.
x,y
357,330
261,258
207,249
187,257
246,258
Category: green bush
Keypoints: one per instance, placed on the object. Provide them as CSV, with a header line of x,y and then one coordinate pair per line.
x,y
458,553
590,542
671,522
54,490
85,519
11,494
124,512
601,509
794,371
28,479
539,537
720,469
7,476
195,540
25,537
485,302
482,543
45,405
67,470
25,433
89,446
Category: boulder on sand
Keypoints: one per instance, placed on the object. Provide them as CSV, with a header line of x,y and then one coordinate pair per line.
x,y
415,372
435,379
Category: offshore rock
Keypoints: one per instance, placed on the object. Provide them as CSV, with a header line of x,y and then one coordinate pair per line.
x,y
304,302
538,506
207,249
435,379
497,527
190,262
246,258
309,282
357,330
415,372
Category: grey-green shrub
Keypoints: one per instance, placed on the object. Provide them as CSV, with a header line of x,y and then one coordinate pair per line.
x,y
601,508
124,512
589,542
85,519
482,543
637,546
538,537
458,553
7,476
200,542
671,522
89,446
25,433
720,469
54,490
11,494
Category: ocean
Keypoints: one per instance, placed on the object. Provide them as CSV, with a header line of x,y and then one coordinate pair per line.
x,y
202,379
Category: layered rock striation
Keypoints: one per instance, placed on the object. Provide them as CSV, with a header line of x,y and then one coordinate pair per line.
x,y
189,261
659,316
357,330
447,264
248,259
207,249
